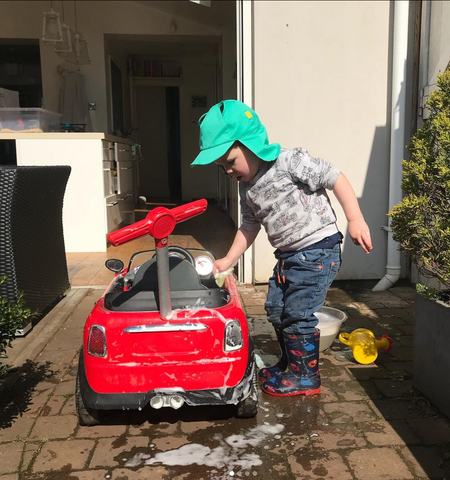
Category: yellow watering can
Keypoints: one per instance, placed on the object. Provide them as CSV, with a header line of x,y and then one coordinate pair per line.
x,y
364,344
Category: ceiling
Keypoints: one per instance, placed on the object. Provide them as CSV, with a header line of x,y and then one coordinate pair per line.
x,y
221,13
166,45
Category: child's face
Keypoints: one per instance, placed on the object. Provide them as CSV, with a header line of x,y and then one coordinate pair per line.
x,y
241,163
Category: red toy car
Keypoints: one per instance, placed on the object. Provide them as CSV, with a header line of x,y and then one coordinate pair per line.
x,y
164,333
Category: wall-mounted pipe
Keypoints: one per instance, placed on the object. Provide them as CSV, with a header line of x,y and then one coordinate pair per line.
x,y
398,122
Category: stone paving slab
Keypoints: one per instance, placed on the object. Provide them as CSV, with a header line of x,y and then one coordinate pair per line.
x,y
63,455
367,423
378,463
10,456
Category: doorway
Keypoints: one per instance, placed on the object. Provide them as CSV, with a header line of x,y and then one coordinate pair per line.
x,y
171,81
173,142
158,132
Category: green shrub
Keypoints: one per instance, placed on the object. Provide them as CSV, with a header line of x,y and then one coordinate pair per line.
x,y
13,316
421,221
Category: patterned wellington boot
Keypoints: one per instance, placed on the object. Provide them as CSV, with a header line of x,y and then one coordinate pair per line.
x,y
270,372
301,377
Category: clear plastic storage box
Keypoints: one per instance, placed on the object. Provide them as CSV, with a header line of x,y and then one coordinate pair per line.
x,y
29,120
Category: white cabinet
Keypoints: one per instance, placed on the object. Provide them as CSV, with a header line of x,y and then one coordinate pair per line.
x,y
99,196
125,177
118,165
119,211
113,217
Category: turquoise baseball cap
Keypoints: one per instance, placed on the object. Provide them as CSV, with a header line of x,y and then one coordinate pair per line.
x,y
230,121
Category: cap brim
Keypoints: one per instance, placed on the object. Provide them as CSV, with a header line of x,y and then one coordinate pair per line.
x,y
210,155
261,149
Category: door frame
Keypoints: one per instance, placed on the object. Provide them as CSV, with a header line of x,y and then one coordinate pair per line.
x,y
148,82
245,93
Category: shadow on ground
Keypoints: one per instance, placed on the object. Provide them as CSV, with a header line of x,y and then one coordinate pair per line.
x,y
23,380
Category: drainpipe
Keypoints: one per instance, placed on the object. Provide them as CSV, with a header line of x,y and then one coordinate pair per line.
x,y
398,120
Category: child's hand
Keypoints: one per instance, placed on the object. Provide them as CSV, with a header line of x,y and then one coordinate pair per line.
x,y
360,234
222,265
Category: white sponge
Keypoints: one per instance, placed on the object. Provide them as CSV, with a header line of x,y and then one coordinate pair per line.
x,y
221,276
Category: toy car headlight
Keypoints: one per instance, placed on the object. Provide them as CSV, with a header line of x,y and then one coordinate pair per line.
x,y
233,336
96,345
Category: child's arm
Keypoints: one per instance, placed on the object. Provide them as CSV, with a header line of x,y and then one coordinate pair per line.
x,y
242,241
357,227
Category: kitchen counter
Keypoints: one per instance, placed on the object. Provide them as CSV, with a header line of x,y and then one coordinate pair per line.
x,y
64,135
99,196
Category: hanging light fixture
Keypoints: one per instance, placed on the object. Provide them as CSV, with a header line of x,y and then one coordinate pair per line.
x,y
72,55
66,45
51,27
81,50
79,54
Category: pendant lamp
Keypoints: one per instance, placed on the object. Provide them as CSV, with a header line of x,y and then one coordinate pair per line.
x,y
81,50
51,27
66,45
79,54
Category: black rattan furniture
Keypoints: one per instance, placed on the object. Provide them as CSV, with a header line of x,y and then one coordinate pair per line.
x,y
32,253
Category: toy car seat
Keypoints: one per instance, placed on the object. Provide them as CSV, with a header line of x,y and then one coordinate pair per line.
x,y
182,276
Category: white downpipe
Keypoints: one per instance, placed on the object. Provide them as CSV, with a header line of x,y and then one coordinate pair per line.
x,y
400,50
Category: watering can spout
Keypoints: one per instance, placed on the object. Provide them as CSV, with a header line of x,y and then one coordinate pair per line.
x,y
364,344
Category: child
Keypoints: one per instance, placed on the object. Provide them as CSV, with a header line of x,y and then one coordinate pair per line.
x,y
284,190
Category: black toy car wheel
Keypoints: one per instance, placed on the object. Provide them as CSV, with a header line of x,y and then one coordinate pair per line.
x,y
248,408
86,416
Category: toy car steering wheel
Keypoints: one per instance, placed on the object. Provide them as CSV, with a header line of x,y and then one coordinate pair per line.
x,y
187,255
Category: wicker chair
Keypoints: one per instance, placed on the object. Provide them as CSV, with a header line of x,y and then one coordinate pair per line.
x,y
32,253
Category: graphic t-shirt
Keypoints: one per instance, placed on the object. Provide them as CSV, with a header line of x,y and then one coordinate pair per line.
x,y
288,197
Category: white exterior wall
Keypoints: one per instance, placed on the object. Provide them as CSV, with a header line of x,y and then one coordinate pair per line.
x,y
321,81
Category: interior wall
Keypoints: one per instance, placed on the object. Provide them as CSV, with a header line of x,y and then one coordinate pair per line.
x,y
199,181
200,76
328,91
95,19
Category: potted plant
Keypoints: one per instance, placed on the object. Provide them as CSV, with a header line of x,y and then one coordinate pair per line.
x,y
421,226
13,317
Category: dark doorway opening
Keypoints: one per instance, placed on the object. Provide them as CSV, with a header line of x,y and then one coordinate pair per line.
x,y
20,70
173,142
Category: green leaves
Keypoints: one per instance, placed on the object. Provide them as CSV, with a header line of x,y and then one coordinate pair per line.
x,y
421,221
13,315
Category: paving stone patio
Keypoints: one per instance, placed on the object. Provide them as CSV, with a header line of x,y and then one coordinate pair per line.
x,y
368,422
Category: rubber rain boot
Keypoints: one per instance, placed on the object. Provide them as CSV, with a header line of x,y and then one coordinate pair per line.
x,y
269,372
301,376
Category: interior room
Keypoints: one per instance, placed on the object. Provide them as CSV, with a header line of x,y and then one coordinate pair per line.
x,y
117,89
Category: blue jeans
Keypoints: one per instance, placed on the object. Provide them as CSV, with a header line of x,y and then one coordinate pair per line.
x,y
299,286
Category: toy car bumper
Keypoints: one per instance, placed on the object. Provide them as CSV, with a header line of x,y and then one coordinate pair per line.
x,y
132,401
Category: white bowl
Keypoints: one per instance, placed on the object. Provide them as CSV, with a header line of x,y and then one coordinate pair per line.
x,y
330,321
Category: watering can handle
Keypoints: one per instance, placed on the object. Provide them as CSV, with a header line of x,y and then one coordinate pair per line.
x,y
344,338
